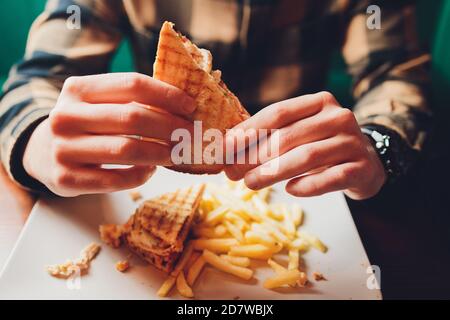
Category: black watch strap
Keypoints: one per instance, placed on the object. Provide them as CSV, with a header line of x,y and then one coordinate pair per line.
x,y
394,152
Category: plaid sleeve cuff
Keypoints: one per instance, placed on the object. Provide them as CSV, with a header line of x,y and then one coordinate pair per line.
x,y
14,147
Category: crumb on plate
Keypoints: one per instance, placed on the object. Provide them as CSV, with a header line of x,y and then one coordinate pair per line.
x,y
81,266
122,265
318,276
135,195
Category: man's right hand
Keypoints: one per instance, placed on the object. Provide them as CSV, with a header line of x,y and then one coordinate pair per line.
x,y
91,126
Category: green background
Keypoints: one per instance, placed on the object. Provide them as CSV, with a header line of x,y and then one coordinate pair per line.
x,y
16,17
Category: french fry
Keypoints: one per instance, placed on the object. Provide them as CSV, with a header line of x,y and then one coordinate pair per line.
x,y
294,257
265,233
275,212
221,245
215,216
260,205
208,204
254,237
195,270
244,209
234,231
277,247
281,226
255,251
258,228
248,214
297,214
237,261
188,250
236,204
272,229
299,244
225,266
286,278
166,286
238,220
313,241
277,268
194,256
222,195
220,230
183,287
209,232
288,225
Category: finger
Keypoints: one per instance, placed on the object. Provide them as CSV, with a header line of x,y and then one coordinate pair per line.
x,y
88,180
250,158
127,119
302,160
112,150
285,112
321,126
129,87
340,177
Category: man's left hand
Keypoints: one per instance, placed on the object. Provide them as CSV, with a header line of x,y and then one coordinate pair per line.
x,y
321,150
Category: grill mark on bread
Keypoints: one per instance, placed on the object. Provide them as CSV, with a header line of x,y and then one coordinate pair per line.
x,y
190,70
170,49
177,210
164,222
166,62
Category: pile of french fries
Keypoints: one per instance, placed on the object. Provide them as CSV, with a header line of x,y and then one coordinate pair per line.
x,y
235,225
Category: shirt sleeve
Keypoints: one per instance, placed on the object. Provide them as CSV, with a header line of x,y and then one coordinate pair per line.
x,y
70,38
389,69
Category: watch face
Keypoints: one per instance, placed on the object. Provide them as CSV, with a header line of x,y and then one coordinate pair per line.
x,y
377,136
396,155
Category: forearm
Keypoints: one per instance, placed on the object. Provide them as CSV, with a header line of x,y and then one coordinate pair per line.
x,y
401,105
20,115
391,77
399,111
53,53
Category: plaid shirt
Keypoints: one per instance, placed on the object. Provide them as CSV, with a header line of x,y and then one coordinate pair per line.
x,y
268,50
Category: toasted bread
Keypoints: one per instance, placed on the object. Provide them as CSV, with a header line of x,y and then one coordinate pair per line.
x,y
182,64
160,226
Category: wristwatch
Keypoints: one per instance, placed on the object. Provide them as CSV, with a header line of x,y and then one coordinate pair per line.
x,y
394,152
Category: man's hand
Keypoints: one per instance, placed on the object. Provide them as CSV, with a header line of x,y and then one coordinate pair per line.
x,y
93,124
321,149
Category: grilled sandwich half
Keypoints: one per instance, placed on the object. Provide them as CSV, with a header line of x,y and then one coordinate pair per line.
x,y
158,230
182,64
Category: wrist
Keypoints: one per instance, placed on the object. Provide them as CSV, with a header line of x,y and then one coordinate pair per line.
x,y
32,155
381,175
394,153
16,161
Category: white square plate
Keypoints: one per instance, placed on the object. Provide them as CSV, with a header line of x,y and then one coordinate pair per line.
x,y
58,229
